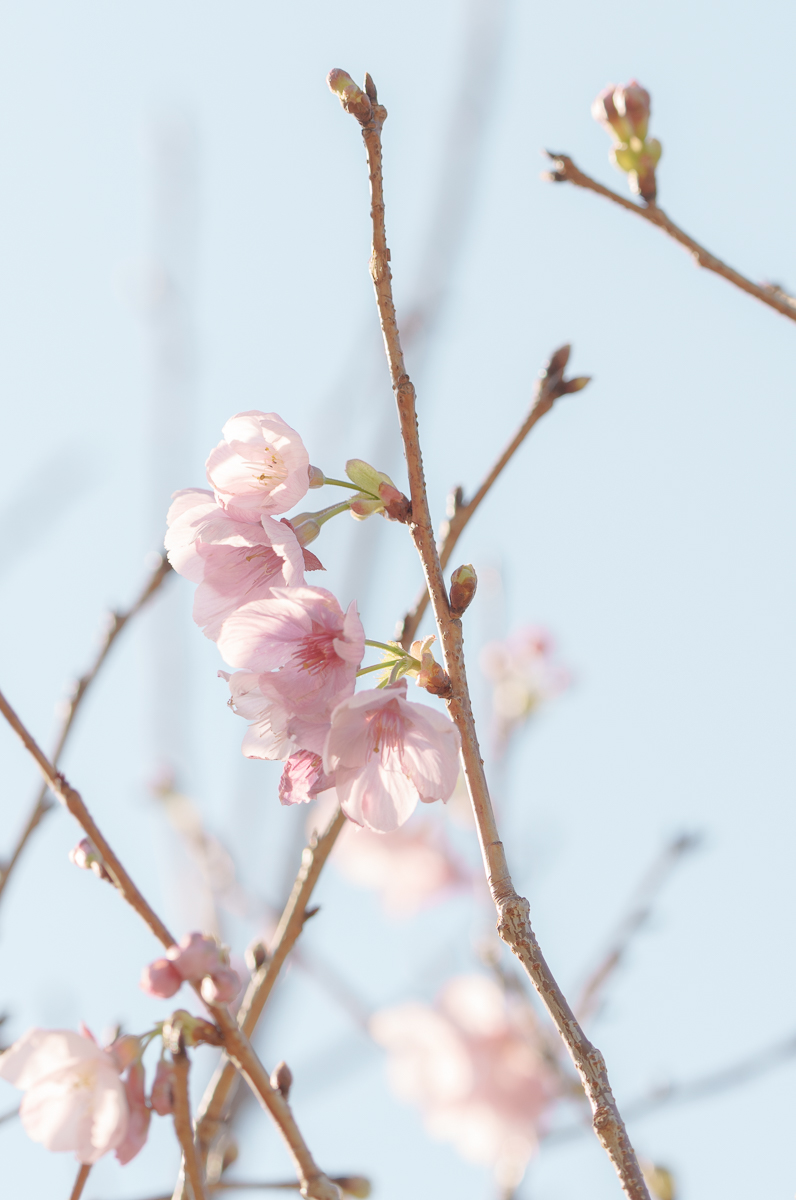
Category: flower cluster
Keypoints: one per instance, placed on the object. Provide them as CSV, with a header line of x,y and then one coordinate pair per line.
x,y
296,651
625,113
198,959
475,1068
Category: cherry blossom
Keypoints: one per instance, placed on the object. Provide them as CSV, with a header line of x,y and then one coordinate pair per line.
x,y
303,778
197,959
232,561
410,867
252,698
161,979
386,753
474,1065
307,651
260,468
140,1115
74,1099
524,675
162,1097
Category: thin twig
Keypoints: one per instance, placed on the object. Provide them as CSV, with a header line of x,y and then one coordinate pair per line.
x,y
673,1094
550,386
80,1182
640,910
513,919
565,171
43,803
182,1125
211,1108
315,1184
354,1185
8,1116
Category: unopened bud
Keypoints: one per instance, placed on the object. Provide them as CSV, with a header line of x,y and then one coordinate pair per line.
x,y
221,987
558,361
633,103
317,477
464,581
161,978
196,956
604,110
86,856
574,385
162,1096
256,955
282,1079
354,1185
352,98
305,527
184,1029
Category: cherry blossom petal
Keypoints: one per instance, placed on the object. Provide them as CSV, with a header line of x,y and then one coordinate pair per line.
x,y
39,1052
260,467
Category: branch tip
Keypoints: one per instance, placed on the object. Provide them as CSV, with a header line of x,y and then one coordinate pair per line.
x,y
352,98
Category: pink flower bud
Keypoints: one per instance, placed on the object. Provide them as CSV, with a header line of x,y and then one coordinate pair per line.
x,y
352,98
161,979
317,478
124,1051
632,102
85,856
282,1079
605,111
162,1097
221,987
195,957
464,581
140,1115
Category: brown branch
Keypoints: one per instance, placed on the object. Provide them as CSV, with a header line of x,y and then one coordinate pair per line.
x,y
565,171
550,386
350,1185
291,923
513,920
191,1164
314,1184
638,915
80,1182
43,804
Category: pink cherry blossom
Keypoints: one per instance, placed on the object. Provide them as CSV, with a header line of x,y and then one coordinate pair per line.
x,y
222,986
260,468
196,956
307,651
161,979
140,1115
524,676
386,753
474,1064
410,867
232,561
252,698
303,778
74,1099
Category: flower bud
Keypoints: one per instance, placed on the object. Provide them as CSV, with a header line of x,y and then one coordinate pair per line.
x,y
305,527
354,1185
317,477
282,1079
86,856
162,1095
196,956
161,979
221,987
633,103
352,98
574,385
464,581
604,109
256,955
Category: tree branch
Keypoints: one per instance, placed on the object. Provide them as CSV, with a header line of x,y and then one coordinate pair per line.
x,y
550,386
291,923
43,804
80,1182
182,1125
565,171
314,1184
513,920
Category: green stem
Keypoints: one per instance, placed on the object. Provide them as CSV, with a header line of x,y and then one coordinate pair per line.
x,y
341,483
326,514
396,650
376,667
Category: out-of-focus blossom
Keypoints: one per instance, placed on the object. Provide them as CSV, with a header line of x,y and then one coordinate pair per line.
x,y
140,1115
222,986
260,468
74,1099
162,1097
386,753
411,867
524,675
124,1051
233,561
86,856
472,1065
307,651
161,979
303,778
625,113
195,956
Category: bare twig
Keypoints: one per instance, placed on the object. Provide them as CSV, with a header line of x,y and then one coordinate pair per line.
x,y
350,1185
640,910
80,1182
673,1094
314,1184
9,1116
182,1125
549,387
565,171
43,803
513,919
211,1109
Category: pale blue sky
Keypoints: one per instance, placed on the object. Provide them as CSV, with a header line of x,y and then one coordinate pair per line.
x,y
648,522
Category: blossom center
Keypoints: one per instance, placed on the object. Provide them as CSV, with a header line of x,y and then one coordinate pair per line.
x,y
386,729
316,651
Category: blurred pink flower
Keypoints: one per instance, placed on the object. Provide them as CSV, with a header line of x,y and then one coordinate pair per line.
x,y
261,466
386,753
140,1115
196,956
307,651
74,1099
222,986
523,676
232,561
473,1066
410,867
303,778
197,959
162,1097
161,979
